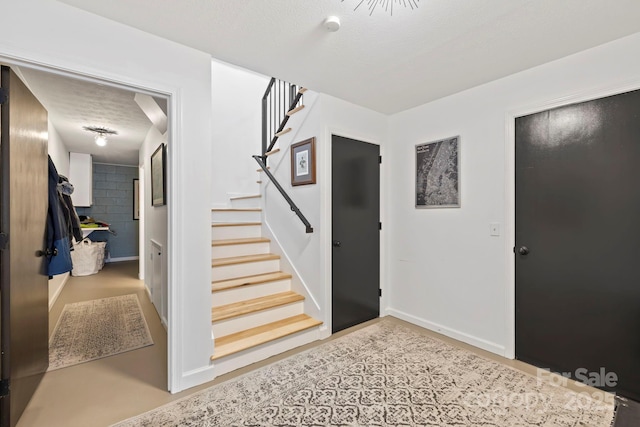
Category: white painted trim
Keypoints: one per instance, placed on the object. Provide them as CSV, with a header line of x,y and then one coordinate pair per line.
x,y
326,207
451,333
197,377
57,293
510,186
122,258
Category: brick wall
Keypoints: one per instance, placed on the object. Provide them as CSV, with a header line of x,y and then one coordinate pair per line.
x,y
113,204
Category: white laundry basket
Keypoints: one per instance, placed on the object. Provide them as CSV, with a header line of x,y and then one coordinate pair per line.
x,y
87,257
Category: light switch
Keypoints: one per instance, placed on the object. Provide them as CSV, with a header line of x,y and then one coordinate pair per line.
x,y
494,229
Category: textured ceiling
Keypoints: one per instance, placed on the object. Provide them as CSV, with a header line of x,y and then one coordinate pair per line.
x,y
73,103
385,62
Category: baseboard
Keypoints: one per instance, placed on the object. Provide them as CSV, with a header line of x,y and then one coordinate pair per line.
x,y
194,378
56,294
120,259
451,333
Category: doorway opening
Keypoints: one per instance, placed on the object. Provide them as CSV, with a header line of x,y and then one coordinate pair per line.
x,y
60,94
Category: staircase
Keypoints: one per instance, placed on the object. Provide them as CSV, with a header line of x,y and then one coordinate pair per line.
x,y
254,314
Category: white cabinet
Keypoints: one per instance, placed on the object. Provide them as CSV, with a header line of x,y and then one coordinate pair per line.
x,y
81,176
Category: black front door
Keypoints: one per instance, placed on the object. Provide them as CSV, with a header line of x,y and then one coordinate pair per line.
x,y
23,285
578,241
356,236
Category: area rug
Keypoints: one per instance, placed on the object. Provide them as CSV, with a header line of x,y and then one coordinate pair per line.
x,y
383,375
91,330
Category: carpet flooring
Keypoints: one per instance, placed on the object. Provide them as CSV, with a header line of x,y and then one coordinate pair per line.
x,y
91,330
383,375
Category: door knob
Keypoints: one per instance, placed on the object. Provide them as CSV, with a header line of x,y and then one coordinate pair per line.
x,y
337,243
47,252
523,250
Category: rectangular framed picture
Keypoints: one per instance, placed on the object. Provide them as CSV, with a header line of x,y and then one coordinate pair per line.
x,y
438,174
158,180
303,162
136,198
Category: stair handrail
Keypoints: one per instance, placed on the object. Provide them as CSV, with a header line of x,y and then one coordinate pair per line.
x,y
292,205
275,109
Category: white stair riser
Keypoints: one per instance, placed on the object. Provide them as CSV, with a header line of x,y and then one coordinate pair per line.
x,y
236,216
235,232
261,352
239,250
246,203
258,318
244,269
242,293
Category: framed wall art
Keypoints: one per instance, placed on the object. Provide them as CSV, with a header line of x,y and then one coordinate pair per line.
x,y
438,174
158,179
303,162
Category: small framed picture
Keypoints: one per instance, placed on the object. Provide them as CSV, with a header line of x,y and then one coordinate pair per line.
x,y
438,174
303,162
158,180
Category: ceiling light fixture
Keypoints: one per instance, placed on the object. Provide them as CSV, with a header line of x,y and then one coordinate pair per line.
x,y
100,134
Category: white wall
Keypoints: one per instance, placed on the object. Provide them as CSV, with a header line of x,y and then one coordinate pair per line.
x,y
311,253
237,130
155,217
446,272
58,151
60,157
56,35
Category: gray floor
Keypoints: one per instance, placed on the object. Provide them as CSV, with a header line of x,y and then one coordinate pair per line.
x,y
105,391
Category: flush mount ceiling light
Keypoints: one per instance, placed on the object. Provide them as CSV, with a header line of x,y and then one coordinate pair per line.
x,y
387,5
100,134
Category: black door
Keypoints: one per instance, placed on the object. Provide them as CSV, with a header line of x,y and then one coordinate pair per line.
x,y
356,236
23,285
578,241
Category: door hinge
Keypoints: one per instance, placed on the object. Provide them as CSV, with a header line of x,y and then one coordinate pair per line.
x,y
4,95
379,226
4,388
4,241
379,159
379,292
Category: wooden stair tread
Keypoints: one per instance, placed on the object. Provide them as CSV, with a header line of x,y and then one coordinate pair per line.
x,y
236,210
234,224
242,241
255,196
219,262
221,285
260,170
243,340
282,132
294,110
302,90
274,151
252,305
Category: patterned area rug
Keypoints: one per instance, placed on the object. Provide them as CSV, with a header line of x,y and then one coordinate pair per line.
x,y
95,329
383,375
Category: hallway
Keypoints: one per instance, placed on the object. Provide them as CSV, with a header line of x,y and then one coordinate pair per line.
x,y
107,390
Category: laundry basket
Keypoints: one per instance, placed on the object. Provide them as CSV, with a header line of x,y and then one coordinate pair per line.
x,y
87,257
